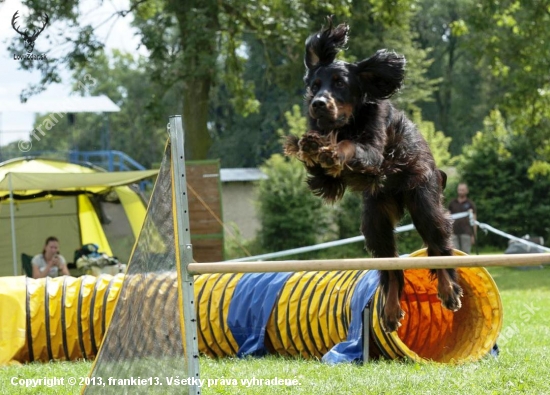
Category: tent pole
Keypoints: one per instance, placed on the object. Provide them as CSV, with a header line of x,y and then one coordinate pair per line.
x,y
12,220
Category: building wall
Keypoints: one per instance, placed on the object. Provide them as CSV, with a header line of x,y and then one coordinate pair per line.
x,y
238,201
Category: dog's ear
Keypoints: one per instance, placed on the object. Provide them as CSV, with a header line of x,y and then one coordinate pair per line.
x,y
322,47
382,74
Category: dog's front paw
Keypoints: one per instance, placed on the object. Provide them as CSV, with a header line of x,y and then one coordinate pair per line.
x,y
311,142
309,146
290,146
331,160
450,298
330,157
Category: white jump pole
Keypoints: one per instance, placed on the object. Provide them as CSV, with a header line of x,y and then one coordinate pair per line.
x,y
439,262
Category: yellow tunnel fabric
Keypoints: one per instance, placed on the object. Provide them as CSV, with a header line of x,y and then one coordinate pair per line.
x,y
134,208
90,227
12,316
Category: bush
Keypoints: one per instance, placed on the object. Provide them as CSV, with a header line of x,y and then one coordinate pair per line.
x,y
495,167
291,216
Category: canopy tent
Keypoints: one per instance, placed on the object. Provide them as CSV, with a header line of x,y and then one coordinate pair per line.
x,y
76,203
30,183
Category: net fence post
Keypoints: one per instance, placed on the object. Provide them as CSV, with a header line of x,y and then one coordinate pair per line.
x,y
185,251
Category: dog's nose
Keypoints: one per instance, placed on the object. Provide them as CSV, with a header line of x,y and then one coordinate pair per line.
x,y
319,103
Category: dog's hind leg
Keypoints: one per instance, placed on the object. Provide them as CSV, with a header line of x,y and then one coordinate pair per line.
x,y
380,216
435,226
392,282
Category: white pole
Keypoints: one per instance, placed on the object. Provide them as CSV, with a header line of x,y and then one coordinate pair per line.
x,y
431,262
12,220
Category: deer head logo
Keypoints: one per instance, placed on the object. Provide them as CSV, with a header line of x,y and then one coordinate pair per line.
x,y
29,40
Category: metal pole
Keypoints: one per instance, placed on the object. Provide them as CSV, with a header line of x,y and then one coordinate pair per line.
x,y
12,220
185,250
474,230
366,334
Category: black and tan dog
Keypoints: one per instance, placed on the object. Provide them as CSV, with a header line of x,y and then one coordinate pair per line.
x,y
358,140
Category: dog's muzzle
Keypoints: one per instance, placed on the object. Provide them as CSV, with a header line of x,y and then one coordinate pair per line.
x,y
327,114
320,108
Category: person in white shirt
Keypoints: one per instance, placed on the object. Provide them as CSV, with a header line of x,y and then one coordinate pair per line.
x,y
50,262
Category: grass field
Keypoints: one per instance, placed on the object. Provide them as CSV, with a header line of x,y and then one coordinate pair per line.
x,y
522,367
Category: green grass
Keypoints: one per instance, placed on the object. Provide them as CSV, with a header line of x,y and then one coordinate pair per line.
x,y
522,366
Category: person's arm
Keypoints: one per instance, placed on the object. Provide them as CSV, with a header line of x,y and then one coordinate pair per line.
x,y
36,272
63,266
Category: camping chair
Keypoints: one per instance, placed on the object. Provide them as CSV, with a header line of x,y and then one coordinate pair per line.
x,y
26,260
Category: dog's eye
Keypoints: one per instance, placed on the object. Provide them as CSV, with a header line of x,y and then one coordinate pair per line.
x,y
314,88
339,84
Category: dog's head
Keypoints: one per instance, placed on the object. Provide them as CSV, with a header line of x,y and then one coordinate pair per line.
x,y
335,89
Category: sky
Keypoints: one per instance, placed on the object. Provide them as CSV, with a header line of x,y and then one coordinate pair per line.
x,y
117,33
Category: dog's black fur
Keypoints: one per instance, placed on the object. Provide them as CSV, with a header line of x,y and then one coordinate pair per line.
x,y
358,140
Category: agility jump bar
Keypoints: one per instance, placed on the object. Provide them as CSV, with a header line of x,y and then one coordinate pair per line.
x,y
433,262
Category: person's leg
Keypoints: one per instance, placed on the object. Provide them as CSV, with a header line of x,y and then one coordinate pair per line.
x,y
456,242
466,243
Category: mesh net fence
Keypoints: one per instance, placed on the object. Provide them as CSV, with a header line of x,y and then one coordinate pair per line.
x,y
143,346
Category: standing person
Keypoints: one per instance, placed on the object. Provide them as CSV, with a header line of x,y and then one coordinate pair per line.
x,y
50,262
463,231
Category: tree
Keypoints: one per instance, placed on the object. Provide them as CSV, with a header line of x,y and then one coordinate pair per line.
x,y
437,141
379,24
196,43
464,93
514,45
291,216
495,168
241,141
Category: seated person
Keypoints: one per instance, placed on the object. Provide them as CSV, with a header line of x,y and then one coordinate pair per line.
x,y
49,263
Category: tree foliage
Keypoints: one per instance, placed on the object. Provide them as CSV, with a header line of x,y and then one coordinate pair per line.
x,y
290,215
437,141
463,95
495,168
518,52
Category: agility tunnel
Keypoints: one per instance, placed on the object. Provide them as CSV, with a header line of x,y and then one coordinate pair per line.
x,y
307,314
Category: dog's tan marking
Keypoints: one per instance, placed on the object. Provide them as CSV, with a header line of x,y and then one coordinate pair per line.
x,y
346,110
